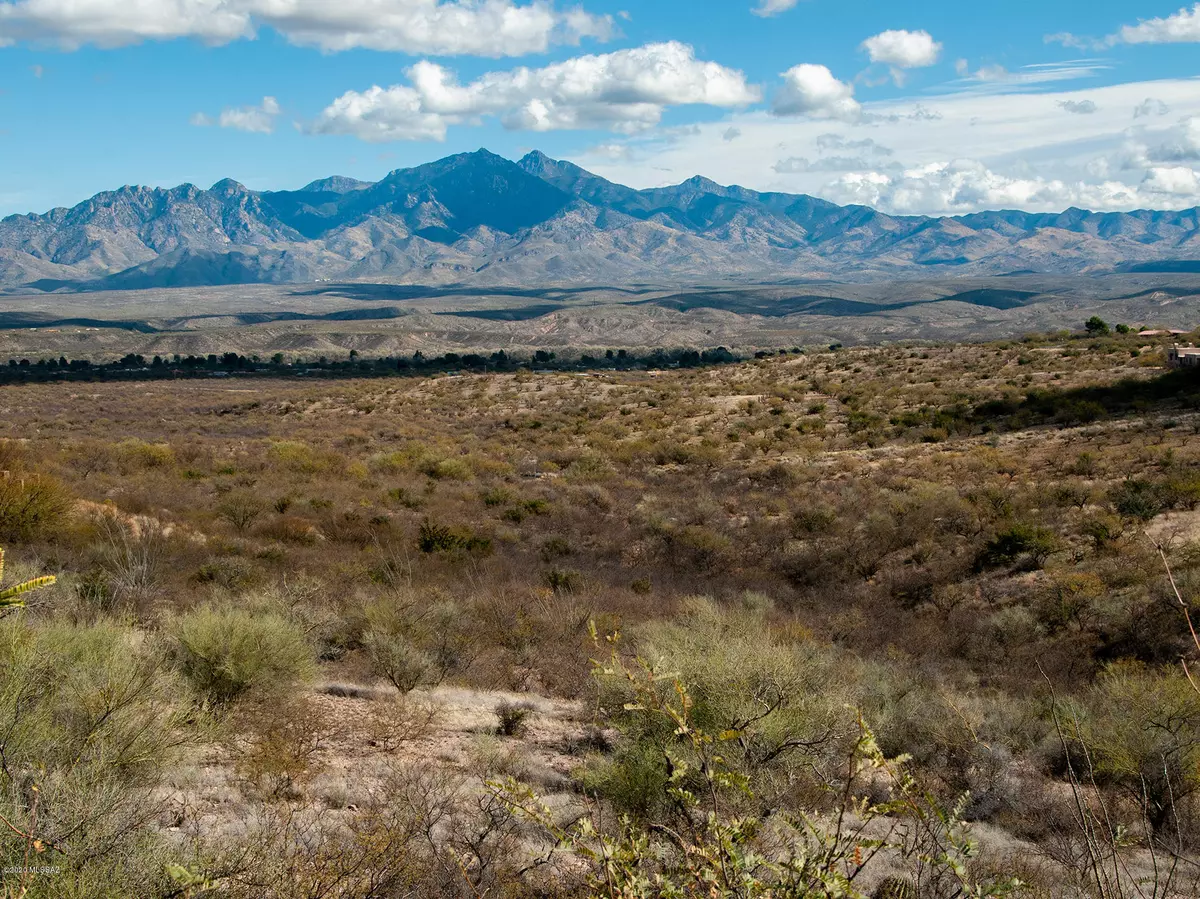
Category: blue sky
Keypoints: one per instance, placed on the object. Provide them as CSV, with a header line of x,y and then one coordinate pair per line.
x,y
927,106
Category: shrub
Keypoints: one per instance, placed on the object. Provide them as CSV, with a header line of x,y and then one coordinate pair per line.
x,y
436,538
395,658
230,573
32,507
394,723
281,751
1141,728
241,509
1137,499
299,457
447,470
91,722
1020,540
513,718
780,705
563,580
227,653
136,454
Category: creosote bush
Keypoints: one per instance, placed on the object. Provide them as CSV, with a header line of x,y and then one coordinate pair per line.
x,y
226,653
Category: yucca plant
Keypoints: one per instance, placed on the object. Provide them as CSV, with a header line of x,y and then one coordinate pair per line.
x,y
11,597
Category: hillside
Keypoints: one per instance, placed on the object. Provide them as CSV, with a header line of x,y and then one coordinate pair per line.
x,y
335,638
479,219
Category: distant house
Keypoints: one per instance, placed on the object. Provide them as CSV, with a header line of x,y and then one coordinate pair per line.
x,y
1183,357
1162,333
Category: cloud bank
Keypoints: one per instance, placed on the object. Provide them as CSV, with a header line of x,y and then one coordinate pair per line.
x,y
626,91
456,27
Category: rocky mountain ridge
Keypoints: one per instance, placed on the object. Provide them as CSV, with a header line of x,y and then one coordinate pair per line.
x,y
480,219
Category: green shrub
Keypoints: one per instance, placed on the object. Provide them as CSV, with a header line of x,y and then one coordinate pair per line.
x,y
91,722
226,653
134,454
1137,499
298,457
32,507
447,470
1141,730
780,706
436,538
395,658
1017,541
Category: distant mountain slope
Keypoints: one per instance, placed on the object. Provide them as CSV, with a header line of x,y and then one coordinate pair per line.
x,y
477,218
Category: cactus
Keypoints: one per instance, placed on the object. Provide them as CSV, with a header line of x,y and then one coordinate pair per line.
x,y
11,597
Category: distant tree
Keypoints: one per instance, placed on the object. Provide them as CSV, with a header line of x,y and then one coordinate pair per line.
x,y
1097,327
1124,329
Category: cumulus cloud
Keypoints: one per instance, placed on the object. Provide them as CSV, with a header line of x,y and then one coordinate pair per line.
x,y
731,134
1172,183
252,119
962,186
1179,144
811,90
1181,28
1079,107
903,49
448,27
626,91
769,8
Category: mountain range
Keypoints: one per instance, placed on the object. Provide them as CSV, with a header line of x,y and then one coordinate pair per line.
x,y
480,219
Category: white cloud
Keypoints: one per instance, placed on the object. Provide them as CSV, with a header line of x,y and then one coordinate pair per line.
x,y
1178,144
996,78
477,27
967,185
769,8
731,134
1079,107
253,119
811,90
1181,28
799,164
1150,107
1032,153
626,91
903,49
1075,41
866,145
1173,182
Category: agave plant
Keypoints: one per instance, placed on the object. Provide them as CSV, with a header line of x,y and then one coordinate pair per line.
x,y
11,597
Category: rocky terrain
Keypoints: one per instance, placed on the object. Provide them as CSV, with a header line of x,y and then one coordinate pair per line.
x,y
481,220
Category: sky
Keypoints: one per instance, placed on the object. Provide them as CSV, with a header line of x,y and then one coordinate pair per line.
x,y
923,107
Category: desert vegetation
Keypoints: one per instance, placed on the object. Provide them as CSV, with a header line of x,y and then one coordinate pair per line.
x,y
895,621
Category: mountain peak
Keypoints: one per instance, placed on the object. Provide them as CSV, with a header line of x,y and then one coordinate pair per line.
x,y
535,159
227,187
335,184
